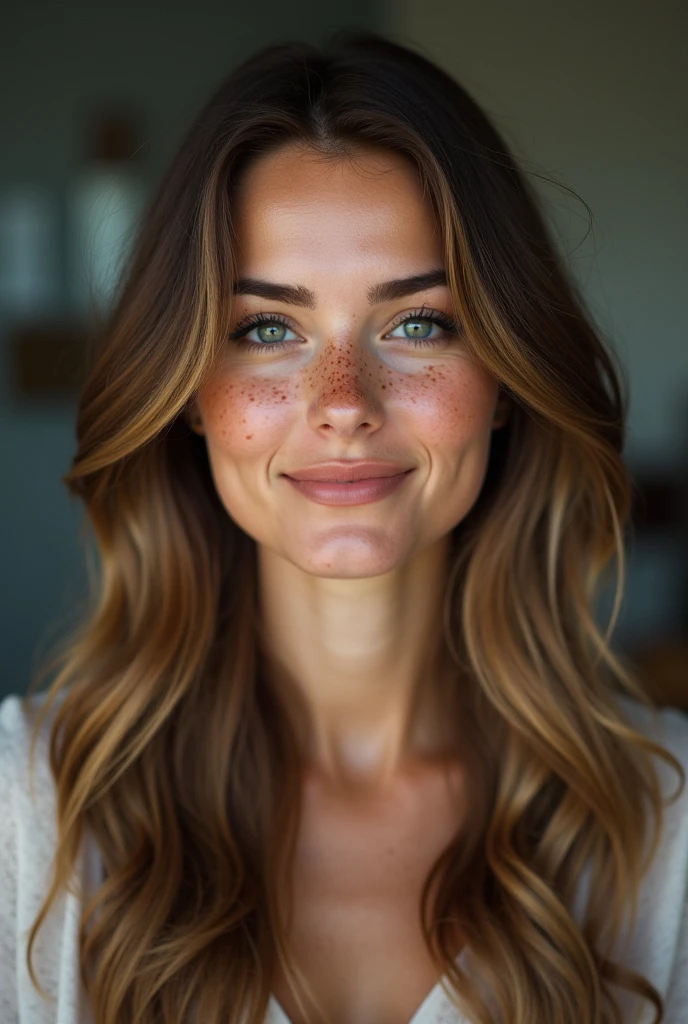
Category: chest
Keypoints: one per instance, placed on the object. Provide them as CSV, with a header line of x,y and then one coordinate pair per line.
x,y
360,865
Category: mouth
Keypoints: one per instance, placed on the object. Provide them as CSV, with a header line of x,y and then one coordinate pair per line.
x,y
359,491
348,471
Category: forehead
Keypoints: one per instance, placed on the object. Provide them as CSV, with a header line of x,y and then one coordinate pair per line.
x,y
298,208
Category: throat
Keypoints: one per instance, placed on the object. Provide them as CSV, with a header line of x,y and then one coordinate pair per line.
x,y
361,860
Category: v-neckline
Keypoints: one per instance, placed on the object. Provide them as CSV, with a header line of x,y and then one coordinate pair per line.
x,y
427,1013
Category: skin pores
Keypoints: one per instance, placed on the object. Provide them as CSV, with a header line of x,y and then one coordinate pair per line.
x,y
346,383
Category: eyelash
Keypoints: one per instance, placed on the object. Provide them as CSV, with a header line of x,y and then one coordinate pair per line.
x,y
258,319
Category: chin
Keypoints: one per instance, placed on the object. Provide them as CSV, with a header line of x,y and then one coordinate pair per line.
x,y
349,557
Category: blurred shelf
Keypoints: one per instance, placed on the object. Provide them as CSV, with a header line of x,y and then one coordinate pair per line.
x,y
664,666
47,360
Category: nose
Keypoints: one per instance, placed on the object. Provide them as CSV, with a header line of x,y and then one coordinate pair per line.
x,y
344,396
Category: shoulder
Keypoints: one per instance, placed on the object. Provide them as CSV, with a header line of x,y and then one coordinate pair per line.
x,y
667,726
26,820
22,792
672,720
28,803
17,715
14,741
661,939
28,838
658,943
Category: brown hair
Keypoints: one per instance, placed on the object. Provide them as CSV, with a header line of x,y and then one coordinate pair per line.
x,y
169,744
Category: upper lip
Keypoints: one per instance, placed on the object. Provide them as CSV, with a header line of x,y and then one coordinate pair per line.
x,y
347,471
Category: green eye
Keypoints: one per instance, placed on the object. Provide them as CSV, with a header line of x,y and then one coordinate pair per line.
x,y
417,328
271,333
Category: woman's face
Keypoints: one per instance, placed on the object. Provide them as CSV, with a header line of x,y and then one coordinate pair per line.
x,y
342,365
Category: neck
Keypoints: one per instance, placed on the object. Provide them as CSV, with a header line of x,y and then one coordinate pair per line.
x,y
360,660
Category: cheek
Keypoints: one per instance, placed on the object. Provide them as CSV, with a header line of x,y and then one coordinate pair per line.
x,y
449,404
244,417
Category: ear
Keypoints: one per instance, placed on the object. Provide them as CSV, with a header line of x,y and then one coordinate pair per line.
x,y
502,411
194,419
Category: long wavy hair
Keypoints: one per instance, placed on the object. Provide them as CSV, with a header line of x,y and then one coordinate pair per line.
x,y
168,742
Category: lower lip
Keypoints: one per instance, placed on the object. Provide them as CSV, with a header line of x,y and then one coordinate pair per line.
x,y
359,492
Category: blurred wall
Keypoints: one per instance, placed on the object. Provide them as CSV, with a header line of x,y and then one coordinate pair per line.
x,y
596,95
58,61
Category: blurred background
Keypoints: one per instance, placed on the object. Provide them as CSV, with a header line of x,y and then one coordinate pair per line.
x,y
95,98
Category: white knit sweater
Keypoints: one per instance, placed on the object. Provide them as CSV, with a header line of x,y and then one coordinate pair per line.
x,y
658,947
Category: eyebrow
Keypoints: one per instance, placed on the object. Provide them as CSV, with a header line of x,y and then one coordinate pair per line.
x,y
297,295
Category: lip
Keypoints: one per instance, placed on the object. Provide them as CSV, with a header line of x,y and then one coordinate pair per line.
x,y
358,487
346,471
359,492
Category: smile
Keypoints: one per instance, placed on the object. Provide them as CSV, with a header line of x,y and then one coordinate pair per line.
x,y
356,492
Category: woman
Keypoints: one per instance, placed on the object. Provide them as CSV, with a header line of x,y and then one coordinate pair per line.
x,y
340,721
